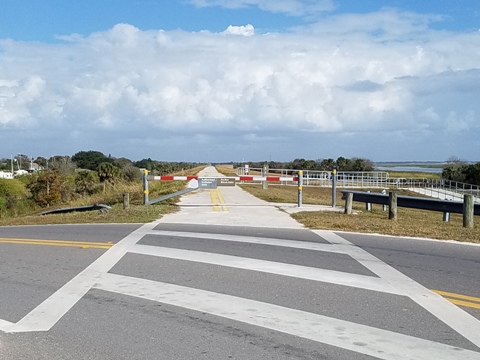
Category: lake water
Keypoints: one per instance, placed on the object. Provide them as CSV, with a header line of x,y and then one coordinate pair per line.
x,y
411,169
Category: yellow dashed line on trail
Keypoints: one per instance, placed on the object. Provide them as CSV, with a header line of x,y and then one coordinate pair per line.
x,y
214,195
80,244
216,208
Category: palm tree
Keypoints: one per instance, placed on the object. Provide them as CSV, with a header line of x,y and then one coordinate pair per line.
x,y
108,173
85,180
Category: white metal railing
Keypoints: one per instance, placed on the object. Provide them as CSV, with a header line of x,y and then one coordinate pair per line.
x,y
360,179
437,188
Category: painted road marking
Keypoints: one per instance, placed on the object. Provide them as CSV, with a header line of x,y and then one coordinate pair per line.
x,y
459,320
49,312
464,303
69,243
256,240
222,201
333,248
458,299
271,267
381,344
214,201
220,204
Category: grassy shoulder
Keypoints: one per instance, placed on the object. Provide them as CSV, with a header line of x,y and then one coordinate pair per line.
x,y
113,196
415,223
411,222
134,214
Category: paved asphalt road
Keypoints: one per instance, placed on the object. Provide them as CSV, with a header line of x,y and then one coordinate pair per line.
x,y
178,289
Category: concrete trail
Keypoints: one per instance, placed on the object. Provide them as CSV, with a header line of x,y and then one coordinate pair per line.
x,y
230,206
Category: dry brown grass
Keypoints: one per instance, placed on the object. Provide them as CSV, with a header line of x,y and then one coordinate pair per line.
x,y
416,223
136,213
226,170
113,196
411,222
413,175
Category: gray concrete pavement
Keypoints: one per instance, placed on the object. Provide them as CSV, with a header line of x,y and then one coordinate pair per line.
x,y
192,286
176,291
233,206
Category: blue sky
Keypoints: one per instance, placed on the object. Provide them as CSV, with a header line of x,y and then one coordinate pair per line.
x,y
32,20
225,80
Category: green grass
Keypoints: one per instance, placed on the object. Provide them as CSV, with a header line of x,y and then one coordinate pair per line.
x,y
411,222
413,175
136,213
416,223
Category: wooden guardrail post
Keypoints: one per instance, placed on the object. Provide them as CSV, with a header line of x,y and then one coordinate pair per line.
x,y
392,205
126,201
468,206
348,203
265,171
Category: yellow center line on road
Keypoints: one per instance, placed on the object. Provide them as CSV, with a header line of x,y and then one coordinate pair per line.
x,y
222,201
68,243
464,303
458,299
214,195
216,208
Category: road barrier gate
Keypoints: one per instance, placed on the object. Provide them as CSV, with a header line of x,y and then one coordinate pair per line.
x,y
205,183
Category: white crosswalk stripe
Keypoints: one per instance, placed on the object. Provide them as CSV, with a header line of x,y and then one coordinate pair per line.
x,y
301,272
368,340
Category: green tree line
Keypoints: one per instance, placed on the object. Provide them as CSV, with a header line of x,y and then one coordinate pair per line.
x,y
342,164
60,179
462,172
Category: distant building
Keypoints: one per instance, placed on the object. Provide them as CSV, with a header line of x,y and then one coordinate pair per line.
x,y
6,175
34,167
21,172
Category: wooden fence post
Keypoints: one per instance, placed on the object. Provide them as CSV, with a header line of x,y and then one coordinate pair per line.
x,y
392,205
126,201
348,203
468,206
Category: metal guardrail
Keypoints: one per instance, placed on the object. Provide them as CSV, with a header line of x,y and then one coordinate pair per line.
x,y
412,202
437,188
101,207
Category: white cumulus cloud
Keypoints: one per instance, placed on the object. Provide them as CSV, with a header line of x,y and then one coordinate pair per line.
x,y
247,30
315,92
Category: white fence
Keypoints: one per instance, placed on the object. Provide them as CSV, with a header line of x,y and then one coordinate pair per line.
x,y
351,179
437,188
